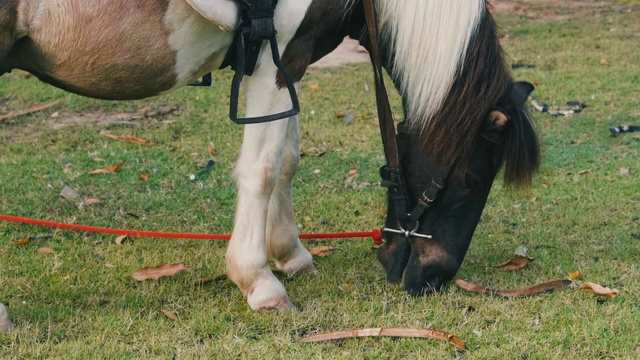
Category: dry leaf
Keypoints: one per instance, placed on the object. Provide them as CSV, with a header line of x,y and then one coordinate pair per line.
x,y
322,251
108,170
574,275
169,314
156,272
202,281
599,290
387,332
524,292
22,242
90,202
69,194
314,87
115,168
46,250
518,262
130,139
29,111
109,266
144,177
120,239
99,172
5,323
211,149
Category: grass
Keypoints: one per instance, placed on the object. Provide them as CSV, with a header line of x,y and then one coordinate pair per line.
x,y
585,217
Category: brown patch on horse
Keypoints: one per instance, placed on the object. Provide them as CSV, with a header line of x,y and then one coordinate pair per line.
x,y
96,48
8,23
484,80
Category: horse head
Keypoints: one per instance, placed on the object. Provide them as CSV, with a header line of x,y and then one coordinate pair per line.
x,y
505,138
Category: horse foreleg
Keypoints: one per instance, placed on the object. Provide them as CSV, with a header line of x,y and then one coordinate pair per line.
x,y
257,175
283,243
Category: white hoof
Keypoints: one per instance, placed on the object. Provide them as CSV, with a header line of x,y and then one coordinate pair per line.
x,y
270,297
299,264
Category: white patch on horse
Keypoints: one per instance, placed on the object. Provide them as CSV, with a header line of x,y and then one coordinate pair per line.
x,y
430,40
223,13
200,45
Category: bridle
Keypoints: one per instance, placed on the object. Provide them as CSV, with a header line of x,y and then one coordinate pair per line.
x,y
391,173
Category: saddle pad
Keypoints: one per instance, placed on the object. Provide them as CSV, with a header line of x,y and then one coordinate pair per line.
x,y
224,13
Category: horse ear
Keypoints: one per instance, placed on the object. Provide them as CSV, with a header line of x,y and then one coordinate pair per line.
x,y
496,119
521,92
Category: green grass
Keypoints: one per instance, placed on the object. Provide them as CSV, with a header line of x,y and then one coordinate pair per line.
x,y
70,305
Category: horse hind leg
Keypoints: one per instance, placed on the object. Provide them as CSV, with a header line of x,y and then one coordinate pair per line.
x,y
283,243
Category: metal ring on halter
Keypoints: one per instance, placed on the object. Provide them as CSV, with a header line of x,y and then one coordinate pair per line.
x,y
407,234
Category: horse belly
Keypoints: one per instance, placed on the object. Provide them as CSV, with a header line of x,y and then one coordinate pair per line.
x,y
121,49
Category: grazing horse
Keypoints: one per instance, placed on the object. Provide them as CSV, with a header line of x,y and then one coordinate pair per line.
x,y
464,115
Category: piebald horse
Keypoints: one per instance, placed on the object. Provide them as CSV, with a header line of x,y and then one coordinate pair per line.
x,y
462,110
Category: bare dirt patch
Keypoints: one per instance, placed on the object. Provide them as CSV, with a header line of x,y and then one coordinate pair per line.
x,y
347,53
559,9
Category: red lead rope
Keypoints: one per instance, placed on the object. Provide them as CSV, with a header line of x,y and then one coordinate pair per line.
x,y
374,235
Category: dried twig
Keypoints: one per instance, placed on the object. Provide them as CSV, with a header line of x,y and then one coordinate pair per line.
x,y
524,292
387,332
28,111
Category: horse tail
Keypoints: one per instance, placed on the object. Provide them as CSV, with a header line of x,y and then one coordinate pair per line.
x,y
446,61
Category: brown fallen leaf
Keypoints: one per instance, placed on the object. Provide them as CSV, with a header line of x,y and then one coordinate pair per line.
x,y
211,149
144,177
599,290
387,332
314,87
523,292
109,170
322,251
202,281
518,262
5,323
109,266
46,250
574,275
90,202
22,242
169,314
156,272
120,239
29,111
130,139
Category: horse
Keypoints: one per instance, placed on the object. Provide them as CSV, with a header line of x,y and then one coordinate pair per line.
x,y
464,115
